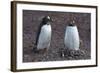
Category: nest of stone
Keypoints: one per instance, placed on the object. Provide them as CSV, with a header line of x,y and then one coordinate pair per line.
x,y
72,54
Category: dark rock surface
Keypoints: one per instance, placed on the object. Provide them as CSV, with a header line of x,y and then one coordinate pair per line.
x,y
56,52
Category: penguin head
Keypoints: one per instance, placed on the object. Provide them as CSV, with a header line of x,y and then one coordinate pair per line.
x,y
46,20
71,23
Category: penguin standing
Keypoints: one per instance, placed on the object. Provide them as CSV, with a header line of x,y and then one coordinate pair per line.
x,y
71,39
43,38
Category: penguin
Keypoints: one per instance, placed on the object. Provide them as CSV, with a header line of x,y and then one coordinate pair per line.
x,y
43,37
71,39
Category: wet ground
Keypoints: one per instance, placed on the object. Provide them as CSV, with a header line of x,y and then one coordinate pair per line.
x,y
57,51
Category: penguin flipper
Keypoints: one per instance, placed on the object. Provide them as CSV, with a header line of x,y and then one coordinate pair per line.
x,y
38,34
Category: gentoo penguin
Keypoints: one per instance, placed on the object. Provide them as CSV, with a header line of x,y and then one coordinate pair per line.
x,y
43,38
71,39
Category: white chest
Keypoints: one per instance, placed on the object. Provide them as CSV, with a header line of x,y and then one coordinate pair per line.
x,y
71,39
44,37
46,29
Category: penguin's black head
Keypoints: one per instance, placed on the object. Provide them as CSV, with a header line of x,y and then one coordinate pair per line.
x,y
72,23
46,20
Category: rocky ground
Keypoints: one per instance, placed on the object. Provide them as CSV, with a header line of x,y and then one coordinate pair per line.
x,y
57,51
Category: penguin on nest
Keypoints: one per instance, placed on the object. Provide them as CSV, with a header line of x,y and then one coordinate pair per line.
x,y
71,39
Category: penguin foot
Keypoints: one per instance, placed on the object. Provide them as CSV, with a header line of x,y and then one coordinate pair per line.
x,y
35,50
40,51
43,51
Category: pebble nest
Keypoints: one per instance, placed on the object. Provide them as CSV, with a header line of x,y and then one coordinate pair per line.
x,y
56,51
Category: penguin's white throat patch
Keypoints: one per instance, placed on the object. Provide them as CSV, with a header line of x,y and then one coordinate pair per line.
x,y
46,27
